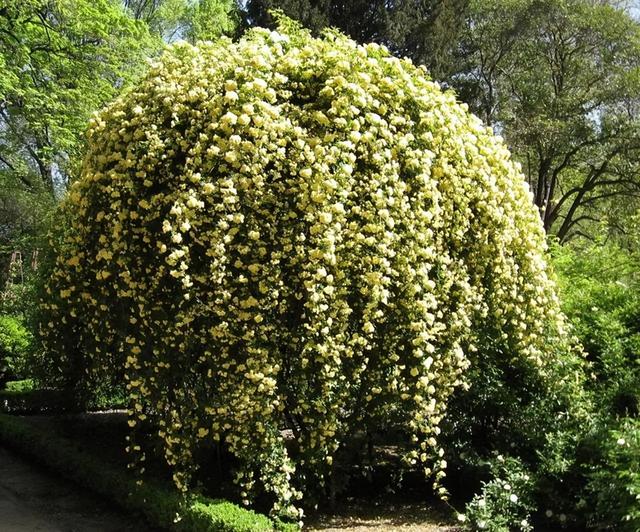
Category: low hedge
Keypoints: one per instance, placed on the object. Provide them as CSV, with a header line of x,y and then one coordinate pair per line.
x,y
161,506
25,401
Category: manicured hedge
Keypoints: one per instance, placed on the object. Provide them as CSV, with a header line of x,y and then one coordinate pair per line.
x,y
160,506
28,401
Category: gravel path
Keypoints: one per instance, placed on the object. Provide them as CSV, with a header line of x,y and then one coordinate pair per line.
x,y
33,500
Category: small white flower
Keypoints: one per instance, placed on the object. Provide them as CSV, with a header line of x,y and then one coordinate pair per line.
x,y
513,497
462,518
549,513
621,441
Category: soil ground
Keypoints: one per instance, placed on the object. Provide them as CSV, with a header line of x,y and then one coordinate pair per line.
x,y
355,516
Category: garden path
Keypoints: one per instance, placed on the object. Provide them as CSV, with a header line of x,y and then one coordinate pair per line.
x,y
33,500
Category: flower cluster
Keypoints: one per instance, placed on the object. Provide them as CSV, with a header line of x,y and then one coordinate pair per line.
x,y
290,231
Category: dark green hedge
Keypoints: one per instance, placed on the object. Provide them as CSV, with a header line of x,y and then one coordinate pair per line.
x,y
160,506
19,401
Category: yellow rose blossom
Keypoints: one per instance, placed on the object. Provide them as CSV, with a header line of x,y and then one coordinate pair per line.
x,y
309,230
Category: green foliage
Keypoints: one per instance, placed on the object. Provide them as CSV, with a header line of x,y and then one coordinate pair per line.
x,y
15,343
600,289
601,295
23,217
505,502
62,60
560,80
295,232
37,401
614,479
25,385
533,421
584,471
186,19
163,508
211,19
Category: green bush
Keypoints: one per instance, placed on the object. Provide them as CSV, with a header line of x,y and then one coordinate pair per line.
x,y
289,232
575,430
505,502
36,401
535,424
15,343
26,385
613,488
600,289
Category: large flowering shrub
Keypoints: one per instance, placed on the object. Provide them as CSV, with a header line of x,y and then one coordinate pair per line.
x,y
293,232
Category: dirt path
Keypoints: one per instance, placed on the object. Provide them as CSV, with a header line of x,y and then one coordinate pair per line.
x,y
32,500
383,517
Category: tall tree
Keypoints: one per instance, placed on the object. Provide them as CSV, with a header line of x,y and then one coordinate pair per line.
x,y
192,20
429,32
560,80
362,20
61,60
209,19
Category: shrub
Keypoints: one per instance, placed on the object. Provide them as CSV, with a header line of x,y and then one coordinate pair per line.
x,y
505,502
601,295
614,479
534,421
294,232
23,386
15,341
600,290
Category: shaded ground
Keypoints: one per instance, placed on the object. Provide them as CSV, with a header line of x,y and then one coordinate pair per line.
x,y
102,434
32,500
361,516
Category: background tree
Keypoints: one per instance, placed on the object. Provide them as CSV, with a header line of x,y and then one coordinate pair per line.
x,y
559,79
186,19
61,60
429,32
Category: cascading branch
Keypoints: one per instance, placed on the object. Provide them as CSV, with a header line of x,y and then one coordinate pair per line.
x,y
293,232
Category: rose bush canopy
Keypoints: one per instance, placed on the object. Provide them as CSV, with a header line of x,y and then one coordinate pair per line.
x,y
293,232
